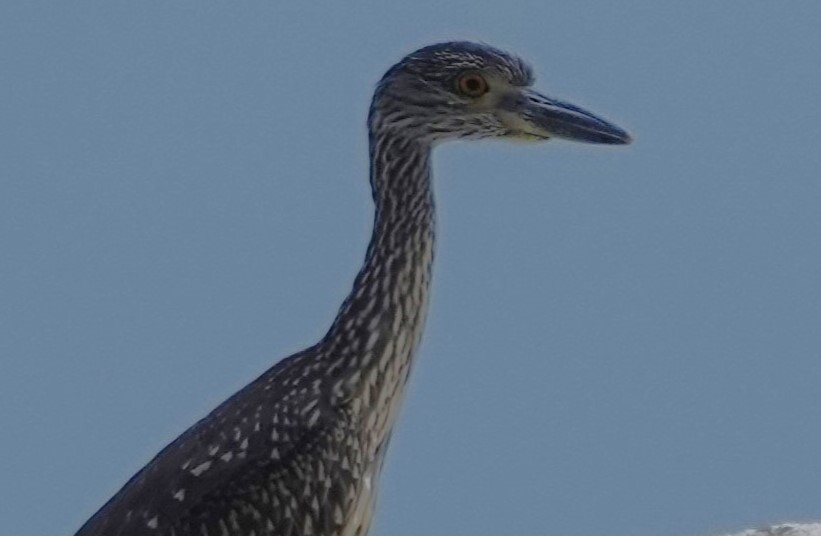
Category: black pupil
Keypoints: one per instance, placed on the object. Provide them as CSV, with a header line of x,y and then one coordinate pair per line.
x,y
473,84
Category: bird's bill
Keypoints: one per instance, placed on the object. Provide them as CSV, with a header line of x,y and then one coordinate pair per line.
x,y
530,115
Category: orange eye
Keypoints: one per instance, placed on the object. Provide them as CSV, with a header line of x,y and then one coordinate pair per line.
x,y
472,85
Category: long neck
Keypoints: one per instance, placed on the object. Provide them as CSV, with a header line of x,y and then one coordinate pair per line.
x,y
391,290
375,334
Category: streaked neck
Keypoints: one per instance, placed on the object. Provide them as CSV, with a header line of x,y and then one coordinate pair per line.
x,y
390,291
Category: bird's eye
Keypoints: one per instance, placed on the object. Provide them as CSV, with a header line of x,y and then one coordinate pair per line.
x,y
472,85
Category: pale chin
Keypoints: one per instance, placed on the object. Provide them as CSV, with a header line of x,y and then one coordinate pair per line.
x,y
526,137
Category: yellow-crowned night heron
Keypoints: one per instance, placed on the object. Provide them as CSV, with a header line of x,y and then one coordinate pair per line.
x,y
299,450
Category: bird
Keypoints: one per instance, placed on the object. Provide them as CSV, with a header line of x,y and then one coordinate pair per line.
x,y
299,450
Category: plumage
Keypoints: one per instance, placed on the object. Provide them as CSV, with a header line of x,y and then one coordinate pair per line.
x,y
299,450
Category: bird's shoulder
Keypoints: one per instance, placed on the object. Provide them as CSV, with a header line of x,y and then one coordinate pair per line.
x,y
258,429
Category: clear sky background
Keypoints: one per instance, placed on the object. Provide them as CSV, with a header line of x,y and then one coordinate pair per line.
x,y
622,340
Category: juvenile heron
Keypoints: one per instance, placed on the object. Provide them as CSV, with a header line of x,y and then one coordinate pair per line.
x,y
299,450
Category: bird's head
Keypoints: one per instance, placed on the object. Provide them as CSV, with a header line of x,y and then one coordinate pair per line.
x,y
468,90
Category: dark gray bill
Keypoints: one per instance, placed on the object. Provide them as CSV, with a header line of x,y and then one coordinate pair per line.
x,y
546,117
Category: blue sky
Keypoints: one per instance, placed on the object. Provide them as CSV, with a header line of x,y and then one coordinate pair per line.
x,y
621,340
